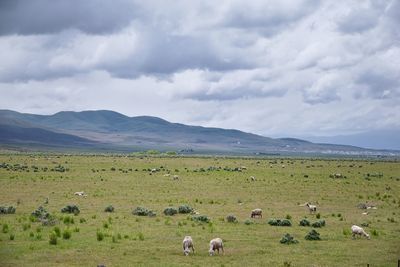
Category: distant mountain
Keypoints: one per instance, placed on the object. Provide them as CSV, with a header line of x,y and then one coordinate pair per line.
x,y
378,139
109,130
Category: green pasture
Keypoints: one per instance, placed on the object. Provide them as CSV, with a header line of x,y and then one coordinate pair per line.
x,y
213,186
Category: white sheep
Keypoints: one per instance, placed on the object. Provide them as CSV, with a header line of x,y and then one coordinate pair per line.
x,y
81,194
175,177
311,208
253,179
216,244
187,245
256,212
357,230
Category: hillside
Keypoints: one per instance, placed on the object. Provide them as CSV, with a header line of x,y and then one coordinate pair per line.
x,y
114,131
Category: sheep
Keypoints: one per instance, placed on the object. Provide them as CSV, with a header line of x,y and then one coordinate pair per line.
x,y
311,208
81,194
187,245
253,179
216,244
256,212
175,177
357,230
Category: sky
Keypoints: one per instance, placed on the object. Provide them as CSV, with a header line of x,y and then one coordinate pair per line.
x,y
279,68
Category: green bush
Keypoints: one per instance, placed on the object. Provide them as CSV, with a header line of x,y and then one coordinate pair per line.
x,y
40,213
279,222
109,208
6,228
99,235
68,220
318,215
12,236
57,231
170,211
71,209
142,211
312,235
53,238
185,209
231,218
304,222
140,236
201,218
66,234
7,210
288,239
248,222
318,224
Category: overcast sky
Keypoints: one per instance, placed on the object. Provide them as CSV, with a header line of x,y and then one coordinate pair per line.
x,y
276,68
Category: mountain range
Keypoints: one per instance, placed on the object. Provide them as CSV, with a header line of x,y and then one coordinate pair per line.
x,y
104,130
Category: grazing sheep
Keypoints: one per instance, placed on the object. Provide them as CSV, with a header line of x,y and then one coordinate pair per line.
x,y
253,179
357,230
175,177
311,208
256,212
187,245
216,244
81,194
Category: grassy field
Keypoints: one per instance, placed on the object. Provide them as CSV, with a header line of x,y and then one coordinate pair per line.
x,y
212,187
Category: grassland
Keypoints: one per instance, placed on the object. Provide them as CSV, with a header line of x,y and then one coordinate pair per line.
x,y
281,186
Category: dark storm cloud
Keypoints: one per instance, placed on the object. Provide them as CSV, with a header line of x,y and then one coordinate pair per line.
x,y
52,16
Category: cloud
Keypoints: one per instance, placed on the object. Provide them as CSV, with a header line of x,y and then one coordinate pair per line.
x,y
49,17
270,67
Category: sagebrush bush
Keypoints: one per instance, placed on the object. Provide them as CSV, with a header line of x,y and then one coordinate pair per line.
x,y
318,215
71,209
318,224
279,222
40,213
7,210
12,236
231,218
185,209
109,208
6,228
312,235
288,239
142,211
304,222
170,211
201,218
248,222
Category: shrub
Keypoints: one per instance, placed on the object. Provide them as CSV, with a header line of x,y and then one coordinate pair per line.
x,y
318,224
231,218
53,238
12,236
312,235
6,228
142,211
40,213
288,217
288,239
201,218
71,209
57,231
374,232
279,222
185,209
170,211
365,224
68,220
66,234
109,208
140,236
99,235
248,222
318,216
7,210
304,222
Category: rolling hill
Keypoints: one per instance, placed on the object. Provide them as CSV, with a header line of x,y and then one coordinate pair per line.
x,y
112,131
